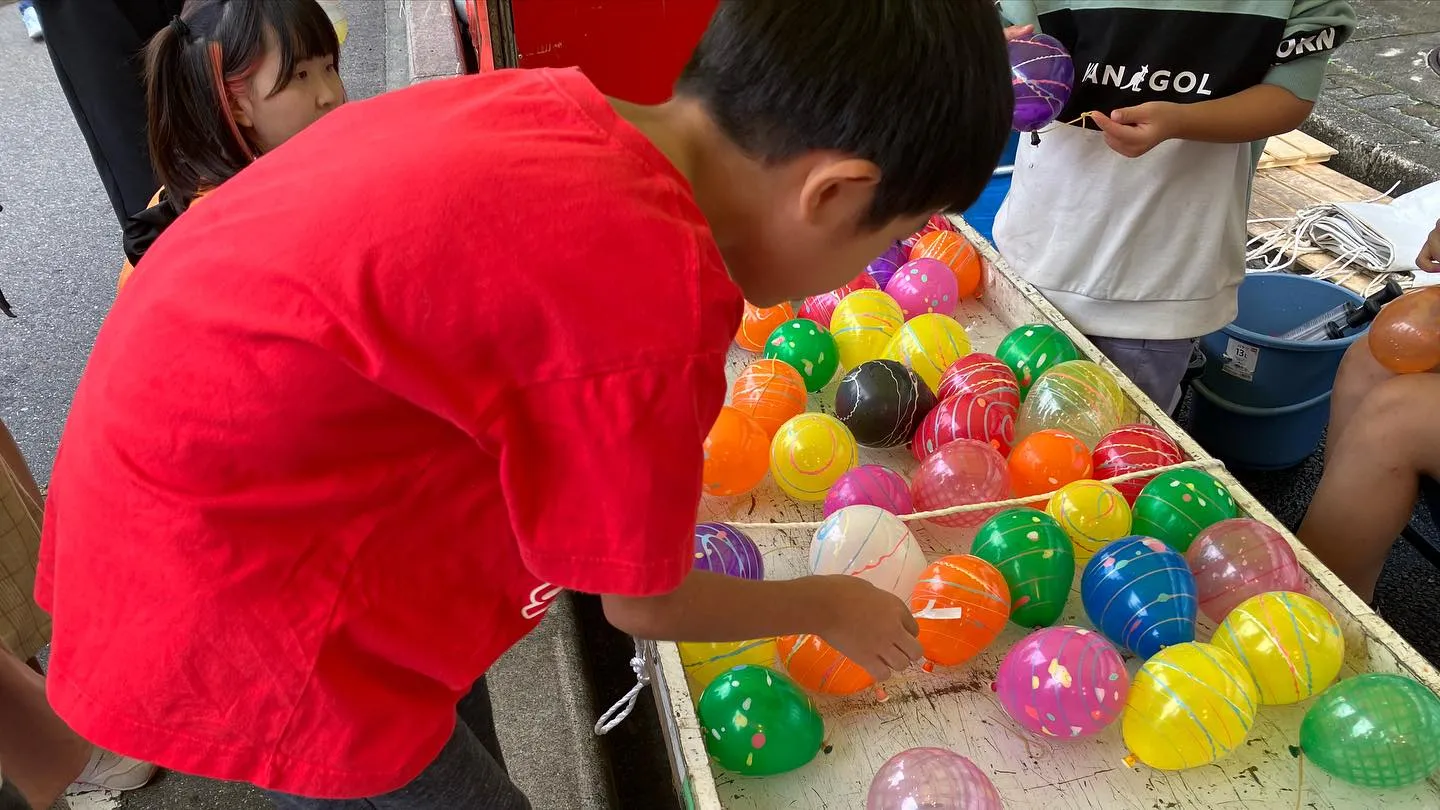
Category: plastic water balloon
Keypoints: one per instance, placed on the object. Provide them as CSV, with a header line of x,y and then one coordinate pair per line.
x,y
704,662
809,454
870,543
966,416
961,604
771,392
1047,460
961,473
1092,513
929,344
1405,336
931,778
1376,730
1078,397
924,285
882,402
956,253
758,322
1042,76
980,373
723,549
819,667
1190,705
1289,642
1236,559
1064,682
809,348
758,722
1032,349
1036,558
820,308
1177,505
887,263
870,484
735,457
1140,594
1132,448
863,325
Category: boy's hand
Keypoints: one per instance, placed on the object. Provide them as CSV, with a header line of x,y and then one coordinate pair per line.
x,y
1429,258
1017,31
871,627
1133,131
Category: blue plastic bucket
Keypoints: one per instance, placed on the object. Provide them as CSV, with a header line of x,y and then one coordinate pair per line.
x,y
1247,365
1257,438
981,215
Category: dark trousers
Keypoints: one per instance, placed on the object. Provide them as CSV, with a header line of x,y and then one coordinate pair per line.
x,y
469,772
97,48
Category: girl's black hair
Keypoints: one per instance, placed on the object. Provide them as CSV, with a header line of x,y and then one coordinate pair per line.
x,y
195,65
921,88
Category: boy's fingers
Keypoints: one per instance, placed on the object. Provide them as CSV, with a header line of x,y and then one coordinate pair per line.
x,y
1013,31
911,626
910,646
1104,123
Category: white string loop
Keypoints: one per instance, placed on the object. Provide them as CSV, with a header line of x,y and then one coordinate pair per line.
x,y
617,713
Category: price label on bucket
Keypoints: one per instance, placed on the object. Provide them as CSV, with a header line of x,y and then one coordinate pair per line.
x,y
1240,360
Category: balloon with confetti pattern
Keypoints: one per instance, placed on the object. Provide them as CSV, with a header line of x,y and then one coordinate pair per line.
x,y
809,348
956,253
723,549
1189,705
1236,559
882,402
924,285
1047,460
817,666
1092,513
758,722
703,662
931,778
961,473
1177,505
929,344
1290,644
887,263
1140,594
1376,730
757,323
980,373
1036,558
863,325
1065,682
820,308
1042,74
873,485
770,392
1078,397
1132,448
961,604
870,543
809,454
735,455
1032,349
966,416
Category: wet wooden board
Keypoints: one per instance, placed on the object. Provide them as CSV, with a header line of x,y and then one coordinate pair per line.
x,y
1279,192
1295,148
955,708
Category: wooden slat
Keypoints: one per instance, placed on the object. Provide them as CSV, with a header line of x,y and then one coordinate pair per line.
x,y
1294,149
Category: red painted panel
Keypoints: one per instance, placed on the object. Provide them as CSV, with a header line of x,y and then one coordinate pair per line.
x,y
631,49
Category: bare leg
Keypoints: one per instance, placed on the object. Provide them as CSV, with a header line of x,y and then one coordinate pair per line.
x,y
42,755
1390,438
1359,375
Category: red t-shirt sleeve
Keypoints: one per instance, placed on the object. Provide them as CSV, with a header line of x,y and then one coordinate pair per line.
x,y
601,474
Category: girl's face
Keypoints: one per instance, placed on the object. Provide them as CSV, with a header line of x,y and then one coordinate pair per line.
x,y
272,119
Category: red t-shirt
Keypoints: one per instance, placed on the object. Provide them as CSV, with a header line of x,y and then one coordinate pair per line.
x,y
364,414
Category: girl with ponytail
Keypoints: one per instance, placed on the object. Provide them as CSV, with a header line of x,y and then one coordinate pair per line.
x,y
226,82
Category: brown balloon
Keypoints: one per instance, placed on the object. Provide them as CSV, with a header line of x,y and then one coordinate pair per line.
x,y
1405,337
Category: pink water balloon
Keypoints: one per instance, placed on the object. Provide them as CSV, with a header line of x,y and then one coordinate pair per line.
x,y
870,484
924,285
1236,559
934,778
960,473
1065,682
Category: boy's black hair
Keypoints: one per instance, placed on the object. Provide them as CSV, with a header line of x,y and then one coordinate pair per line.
x,y
191,68
919,87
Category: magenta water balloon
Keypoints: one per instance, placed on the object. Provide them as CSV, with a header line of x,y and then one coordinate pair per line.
x,y
1042,75
723,549
1236,559
870,484
1065,682
931,778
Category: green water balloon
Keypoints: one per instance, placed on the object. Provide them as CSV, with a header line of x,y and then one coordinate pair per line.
x,y
758,722
1177,505
807,347
1375,730
1031,349
1037,560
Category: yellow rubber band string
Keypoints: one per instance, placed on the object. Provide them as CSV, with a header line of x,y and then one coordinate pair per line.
x,y
1299,777
1035,134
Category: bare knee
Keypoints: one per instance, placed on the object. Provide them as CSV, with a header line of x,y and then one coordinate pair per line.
x,y
1396,422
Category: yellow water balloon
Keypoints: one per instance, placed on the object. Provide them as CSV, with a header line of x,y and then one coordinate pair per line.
x,y
809,454
1289,642
929,344
1189,705
704,661
863,324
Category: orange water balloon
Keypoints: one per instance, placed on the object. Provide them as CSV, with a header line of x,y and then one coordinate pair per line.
x,y
956,252
758,322
1047,460
961,604
769,391
737,454
819,667
1405,336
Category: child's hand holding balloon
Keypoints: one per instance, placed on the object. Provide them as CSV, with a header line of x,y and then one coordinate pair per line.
x,y
1133,131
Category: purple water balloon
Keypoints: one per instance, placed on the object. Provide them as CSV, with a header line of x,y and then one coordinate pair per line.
x,y
931,777
724,549
1042,76
884,267
870,484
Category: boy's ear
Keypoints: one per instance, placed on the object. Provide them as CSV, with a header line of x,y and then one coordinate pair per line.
x,y
838,192
240,109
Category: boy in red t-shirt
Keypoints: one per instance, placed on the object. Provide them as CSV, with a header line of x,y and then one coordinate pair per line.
x,y
454,349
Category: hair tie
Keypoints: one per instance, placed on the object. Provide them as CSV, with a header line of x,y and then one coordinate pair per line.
x,y
180,27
